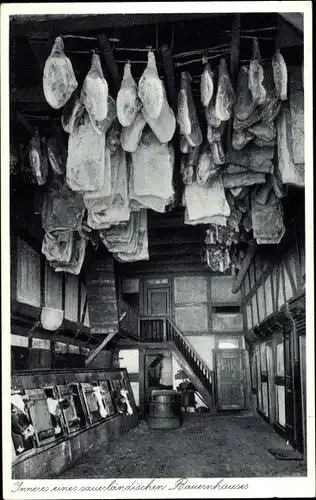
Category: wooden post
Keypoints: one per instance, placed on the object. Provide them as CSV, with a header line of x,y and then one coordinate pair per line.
x,y
98,349
111,63
164,331
170,79
172,94
244,266
234,63
142,381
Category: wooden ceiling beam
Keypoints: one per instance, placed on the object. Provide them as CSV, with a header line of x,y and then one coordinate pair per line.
x,y
191,248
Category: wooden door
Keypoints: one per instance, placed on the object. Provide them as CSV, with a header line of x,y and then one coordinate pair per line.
x,y
289,391
230,379
158,301
271,388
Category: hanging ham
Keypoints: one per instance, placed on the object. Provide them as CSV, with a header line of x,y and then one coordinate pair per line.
x,y
77,257
107,211
162,191
225,93
101,127
72,113
265,131
207,85
59,80
113,136
165,125
130,136
127,102
267,220
57,153
187,116
106,188
185,147
85,162
122,238
140,251
290,172
211,117
63,209
206,168
240,139
245,104
150,89
271,106
280,75
187,171
57,246
205,202
94,92
217,153
38,167
152,168
253,158
256,75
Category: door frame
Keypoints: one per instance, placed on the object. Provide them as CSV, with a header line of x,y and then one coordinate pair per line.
x,y
243,376
149,286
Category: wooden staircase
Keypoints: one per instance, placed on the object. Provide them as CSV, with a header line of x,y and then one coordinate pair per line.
x,y
162,330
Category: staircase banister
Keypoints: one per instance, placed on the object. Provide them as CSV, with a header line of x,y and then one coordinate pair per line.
x,y
188,344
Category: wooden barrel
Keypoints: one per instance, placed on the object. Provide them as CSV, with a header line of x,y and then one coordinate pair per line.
x,y
164,410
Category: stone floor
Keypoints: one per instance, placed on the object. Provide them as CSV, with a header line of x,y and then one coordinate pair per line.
x,y
204,446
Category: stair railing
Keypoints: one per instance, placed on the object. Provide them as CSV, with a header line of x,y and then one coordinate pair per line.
x,y
196,363
161,329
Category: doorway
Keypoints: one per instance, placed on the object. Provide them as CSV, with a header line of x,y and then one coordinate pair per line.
x,y
229,371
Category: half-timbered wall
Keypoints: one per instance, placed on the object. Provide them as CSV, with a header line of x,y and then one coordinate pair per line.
x,y
273,279
202,307
273,306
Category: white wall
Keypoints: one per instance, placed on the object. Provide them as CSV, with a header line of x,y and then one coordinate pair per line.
x,y
129,360
203,345
135,389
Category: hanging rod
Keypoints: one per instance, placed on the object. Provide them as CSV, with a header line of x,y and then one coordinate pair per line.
x,y
80,37
135,62
134,49
177,65
200,51
258,37
254,30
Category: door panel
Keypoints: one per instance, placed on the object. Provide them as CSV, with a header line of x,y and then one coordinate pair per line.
x,y
289,393
158,301
229,377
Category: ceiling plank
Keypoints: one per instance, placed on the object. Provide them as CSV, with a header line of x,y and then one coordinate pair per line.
x,y
25,25
294,18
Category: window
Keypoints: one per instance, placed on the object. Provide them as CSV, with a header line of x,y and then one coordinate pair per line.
x,y
71,297
228,343
28,275
83,294
280,359
53,288
280,404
